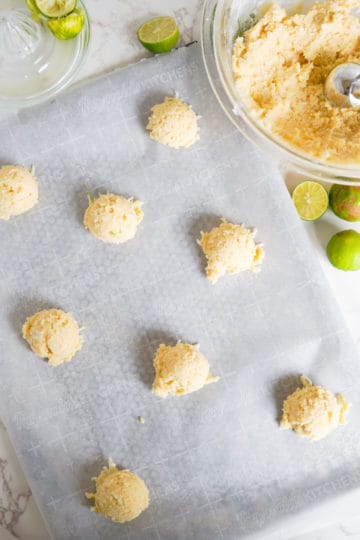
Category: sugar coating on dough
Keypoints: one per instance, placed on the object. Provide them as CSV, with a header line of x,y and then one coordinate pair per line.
x,y
180,369
113,218
230,248
120,495
173,123
18,190
53,334
312,411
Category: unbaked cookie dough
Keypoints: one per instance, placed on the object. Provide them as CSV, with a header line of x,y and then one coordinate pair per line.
x,y
18,190
113,218
280,67
120,495
312,411
53,334
230,248
173,123
180,369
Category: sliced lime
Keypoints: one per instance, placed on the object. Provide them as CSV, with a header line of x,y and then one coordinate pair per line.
x,y
55,8
343,250
34,10
68,27
32,6
159,35
310,199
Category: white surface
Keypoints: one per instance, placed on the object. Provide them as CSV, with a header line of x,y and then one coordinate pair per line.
x,y
114,43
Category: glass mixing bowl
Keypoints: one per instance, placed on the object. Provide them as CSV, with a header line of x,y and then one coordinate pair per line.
x,y
35,66
220,25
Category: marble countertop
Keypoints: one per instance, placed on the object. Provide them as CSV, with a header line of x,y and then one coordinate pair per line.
x,y
114,44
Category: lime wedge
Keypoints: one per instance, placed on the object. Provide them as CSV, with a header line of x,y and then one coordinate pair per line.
x,y
32,6
55,8
310,199
68,27
34,10
159,35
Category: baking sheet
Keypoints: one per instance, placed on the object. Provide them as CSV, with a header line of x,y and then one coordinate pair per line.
x,y
216,463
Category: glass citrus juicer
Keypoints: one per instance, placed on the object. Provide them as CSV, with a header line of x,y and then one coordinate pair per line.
x,y
34,64
220,26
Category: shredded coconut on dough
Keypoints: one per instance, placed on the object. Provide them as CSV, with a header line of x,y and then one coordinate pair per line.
x,y
120,495
312,411
18,190
173,123
180,369
53,334
230,248
113,218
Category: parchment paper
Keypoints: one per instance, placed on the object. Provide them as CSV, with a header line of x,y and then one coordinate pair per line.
x,y
216,463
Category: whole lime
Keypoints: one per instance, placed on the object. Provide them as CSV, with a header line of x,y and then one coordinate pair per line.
x,y
343,250
345,202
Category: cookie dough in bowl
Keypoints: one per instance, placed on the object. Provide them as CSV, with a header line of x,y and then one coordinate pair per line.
x,y
173,123
121,495
53,334
18,190
180,369
313,411
281,66
113,218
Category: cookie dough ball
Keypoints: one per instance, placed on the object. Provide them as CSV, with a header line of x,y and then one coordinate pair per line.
x,y
53,334
120,495
180,370
313,411
230,248
113,218
173,123
18,190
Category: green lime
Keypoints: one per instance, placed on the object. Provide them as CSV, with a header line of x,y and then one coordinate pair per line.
x,y
343,250
55,8
159,35
34,10
32,6
345,202
68,27
310,199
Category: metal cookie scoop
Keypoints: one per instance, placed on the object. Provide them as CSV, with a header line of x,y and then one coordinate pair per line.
x,y
342,86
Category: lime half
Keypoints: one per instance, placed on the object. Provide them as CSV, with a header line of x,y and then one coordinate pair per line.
x,y
310,199
68,27
55,8
32,6
343,250
34,10
159,35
